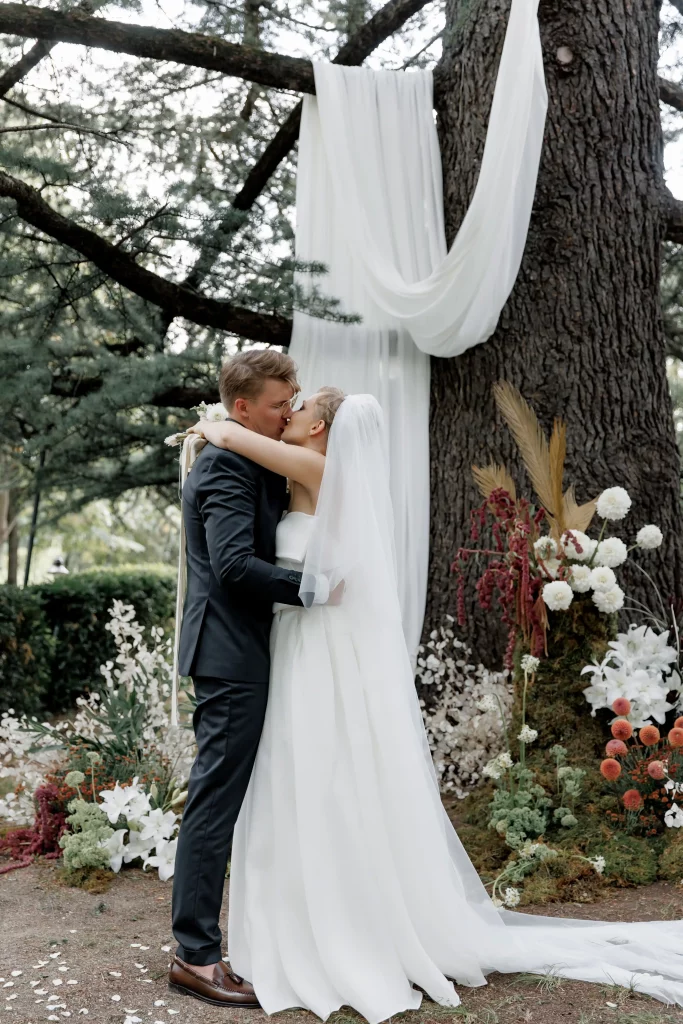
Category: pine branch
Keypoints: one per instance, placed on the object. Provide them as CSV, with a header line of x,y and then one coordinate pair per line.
x,y
383,24
25,64
191,48
671,93
176,299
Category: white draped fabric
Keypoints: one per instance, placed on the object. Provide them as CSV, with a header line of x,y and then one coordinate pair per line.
x,y
369,206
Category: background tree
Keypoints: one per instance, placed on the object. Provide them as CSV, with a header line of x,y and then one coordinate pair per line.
x,y
122,302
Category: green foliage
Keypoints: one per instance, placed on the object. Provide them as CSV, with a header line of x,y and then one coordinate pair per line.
x,y
629,860
89,825
77,609
26,651
53,637
671,857
520,810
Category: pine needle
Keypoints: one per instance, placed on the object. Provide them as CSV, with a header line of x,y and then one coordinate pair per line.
x,y
491,477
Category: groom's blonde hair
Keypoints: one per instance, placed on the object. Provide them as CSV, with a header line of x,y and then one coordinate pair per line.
x,y
245,375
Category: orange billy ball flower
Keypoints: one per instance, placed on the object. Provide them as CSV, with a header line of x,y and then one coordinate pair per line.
x,y
615,748
678,724
632,800
621,706
621,729
655,770
675,737
610,769
649,735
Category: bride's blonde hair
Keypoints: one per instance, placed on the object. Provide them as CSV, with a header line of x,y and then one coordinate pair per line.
x,y
327,402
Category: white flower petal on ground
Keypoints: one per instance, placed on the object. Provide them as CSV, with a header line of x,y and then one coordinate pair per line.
x,y
602,578
614,503
649,537
15,974
115,974
609,601
116,999
611,552
557,595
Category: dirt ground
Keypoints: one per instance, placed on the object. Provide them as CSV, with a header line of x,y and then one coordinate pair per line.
x,y
114,948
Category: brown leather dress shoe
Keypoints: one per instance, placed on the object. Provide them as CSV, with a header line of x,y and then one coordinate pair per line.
x,y
225,988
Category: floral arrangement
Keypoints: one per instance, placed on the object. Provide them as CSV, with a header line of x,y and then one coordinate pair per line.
x,y
521,808
640,767
125,805
461,740
640,667
139,828
212,413
533,572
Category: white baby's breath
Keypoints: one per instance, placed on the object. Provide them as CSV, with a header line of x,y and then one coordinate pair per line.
x,y
609,600
611,552
649,537
602,577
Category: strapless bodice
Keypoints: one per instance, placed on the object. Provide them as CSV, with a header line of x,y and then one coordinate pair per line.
x,y
291,539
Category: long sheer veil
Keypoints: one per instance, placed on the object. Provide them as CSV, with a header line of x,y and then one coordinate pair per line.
x,y
352,541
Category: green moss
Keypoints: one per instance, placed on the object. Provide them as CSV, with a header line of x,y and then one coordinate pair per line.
x,y
556,706
671,857
629,860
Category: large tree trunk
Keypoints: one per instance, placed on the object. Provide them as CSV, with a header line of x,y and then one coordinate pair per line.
x,y
581,335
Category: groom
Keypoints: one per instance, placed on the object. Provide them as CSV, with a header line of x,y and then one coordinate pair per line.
x,y
231,509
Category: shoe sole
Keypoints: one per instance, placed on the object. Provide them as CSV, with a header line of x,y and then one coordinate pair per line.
x,y
182,991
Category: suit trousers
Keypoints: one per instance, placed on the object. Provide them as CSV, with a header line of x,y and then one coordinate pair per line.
x,y
228,721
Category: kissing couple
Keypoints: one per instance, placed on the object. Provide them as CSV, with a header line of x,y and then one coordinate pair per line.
x,y
348,883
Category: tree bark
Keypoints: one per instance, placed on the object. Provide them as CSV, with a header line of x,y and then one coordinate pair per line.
x,y
581,335
13,538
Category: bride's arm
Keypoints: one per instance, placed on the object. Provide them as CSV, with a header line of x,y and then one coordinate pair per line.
x,y
300,464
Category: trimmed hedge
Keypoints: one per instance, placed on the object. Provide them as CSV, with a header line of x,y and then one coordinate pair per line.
x,y
72,611
26,651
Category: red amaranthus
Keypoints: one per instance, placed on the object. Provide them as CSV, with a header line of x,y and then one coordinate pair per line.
x,y
39,839
516,575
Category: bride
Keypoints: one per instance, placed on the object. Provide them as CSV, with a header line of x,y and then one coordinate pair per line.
x,y
349,885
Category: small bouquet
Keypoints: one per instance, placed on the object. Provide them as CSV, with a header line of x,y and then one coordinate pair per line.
x,y
211,413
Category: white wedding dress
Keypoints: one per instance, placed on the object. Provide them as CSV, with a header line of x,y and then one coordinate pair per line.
x,y
349,885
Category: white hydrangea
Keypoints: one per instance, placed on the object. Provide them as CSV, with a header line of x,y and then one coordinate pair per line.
x,y
527,734
580,578
572,540
602,577
611,552
609,600
614,503
557,595
649,537
462,739
545,547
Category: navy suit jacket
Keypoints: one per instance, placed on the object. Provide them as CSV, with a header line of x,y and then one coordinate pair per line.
x,y
231,508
